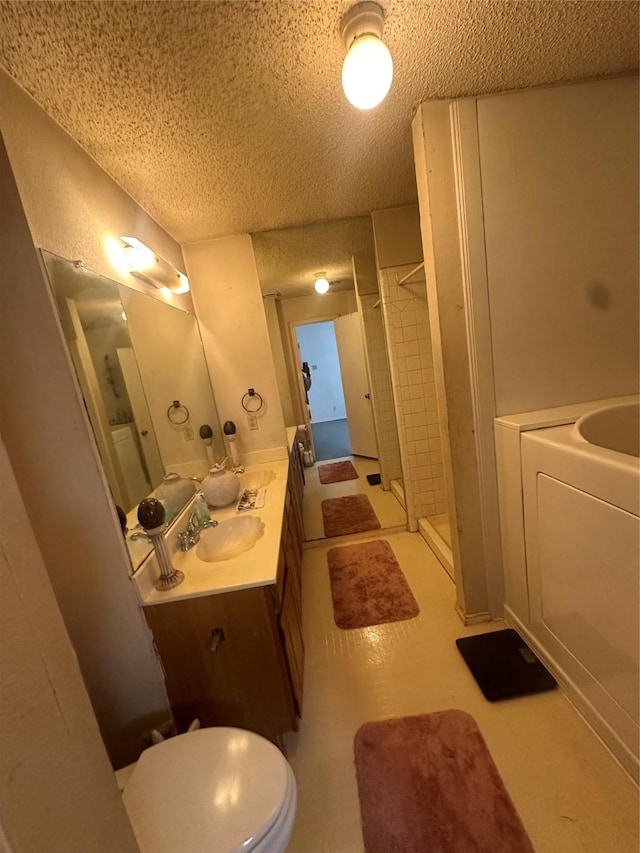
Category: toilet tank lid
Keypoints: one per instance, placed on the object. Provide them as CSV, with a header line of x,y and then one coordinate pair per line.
x,y
216,789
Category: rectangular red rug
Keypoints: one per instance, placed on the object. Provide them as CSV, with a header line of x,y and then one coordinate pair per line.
x,y
368,586
428,783
349,514
337,472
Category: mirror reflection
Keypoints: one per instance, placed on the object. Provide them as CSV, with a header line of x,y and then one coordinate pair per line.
x,y
145,383
333,372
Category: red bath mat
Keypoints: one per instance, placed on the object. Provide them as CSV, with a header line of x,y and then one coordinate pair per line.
x,y
349,514
368,586
336,472
428,783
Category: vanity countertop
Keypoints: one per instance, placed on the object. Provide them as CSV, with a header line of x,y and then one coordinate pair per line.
x,y
256,567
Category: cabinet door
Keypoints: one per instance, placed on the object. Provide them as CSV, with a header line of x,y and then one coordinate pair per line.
x,y
296,486
293,558
224,661
291,629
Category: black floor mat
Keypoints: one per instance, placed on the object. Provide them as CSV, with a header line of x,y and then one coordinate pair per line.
x,y
503,665
373,479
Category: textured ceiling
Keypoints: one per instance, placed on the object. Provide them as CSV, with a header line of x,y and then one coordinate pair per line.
x,y
228,117
288,258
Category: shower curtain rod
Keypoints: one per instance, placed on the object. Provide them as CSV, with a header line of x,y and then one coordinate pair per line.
x,y
409,274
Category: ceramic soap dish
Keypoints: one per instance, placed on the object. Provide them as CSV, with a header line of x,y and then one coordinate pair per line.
x,y
251,499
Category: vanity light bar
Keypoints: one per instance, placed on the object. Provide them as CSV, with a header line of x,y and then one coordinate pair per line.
x,y
145,264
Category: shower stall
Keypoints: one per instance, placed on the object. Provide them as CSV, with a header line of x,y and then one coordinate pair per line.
x,y
421,485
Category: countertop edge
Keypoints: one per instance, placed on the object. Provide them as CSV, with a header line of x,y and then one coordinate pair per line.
x,y
254,568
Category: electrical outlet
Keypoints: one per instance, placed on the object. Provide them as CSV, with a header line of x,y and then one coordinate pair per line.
x,y
188,433
252,421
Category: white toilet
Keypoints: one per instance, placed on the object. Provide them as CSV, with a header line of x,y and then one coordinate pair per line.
x,y
216,790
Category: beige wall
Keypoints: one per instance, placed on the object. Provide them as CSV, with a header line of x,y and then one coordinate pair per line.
x,y
171,360
57,788
229,305
396,232
73,209
433,152
560,202
273,311
365,273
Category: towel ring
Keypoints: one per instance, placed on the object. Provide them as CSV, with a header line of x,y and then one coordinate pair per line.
x,y
252,402
177,414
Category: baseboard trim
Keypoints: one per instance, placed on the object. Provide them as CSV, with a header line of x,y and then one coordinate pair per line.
x,y
472,618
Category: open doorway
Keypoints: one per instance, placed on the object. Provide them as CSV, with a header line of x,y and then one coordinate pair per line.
x,y
337,388
324,391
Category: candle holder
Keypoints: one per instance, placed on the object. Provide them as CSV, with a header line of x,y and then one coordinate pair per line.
x,y
151,515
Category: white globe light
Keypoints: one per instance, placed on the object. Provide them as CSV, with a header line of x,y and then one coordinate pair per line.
x,y
367,72
321,285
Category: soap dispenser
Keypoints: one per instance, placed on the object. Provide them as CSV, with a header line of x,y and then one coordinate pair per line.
x,y
220,487
201,510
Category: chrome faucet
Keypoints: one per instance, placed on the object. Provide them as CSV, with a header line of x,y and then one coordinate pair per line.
x,y
190,536
139,535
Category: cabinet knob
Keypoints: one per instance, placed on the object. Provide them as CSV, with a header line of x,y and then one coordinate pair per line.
x,y
217,637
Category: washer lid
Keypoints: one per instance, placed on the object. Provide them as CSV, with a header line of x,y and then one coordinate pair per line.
x,y
217,789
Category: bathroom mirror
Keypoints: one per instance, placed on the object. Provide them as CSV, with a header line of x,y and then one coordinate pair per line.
x,y
331,360
136,357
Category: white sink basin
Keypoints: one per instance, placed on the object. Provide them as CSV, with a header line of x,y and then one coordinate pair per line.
x,y
230,538
256,479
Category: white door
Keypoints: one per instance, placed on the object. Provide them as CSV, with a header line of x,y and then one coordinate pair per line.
x,y
90,385
130,465
355,384
141,415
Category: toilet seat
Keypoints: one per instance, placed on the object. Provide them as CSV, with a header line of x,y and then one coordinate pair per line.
x,y
215,789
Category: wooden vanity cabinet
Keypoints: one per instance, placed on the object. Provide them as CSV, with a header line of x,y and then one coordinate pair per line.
x,y
223,661
237,658
289,585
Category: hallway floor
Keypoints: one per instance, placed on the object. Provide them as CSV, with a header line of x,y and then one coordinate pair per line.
x,y
385,505
331,439
570,793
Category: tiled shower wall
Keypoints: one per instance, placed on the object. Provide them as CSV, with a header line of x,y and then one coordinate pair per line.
x,y
406,318
381,392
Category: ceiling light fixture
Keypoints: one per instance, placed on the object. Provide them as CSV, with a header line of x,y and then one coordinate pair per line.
x,y
145,264
321,284
367,71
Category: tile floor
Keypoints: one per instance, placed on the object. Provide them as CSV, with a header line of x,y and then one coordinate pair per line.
x,y
571,794
385,505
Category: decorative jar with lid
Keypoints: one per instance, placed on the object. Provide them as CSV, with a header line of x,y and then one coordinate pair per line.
x,y
220,487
